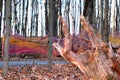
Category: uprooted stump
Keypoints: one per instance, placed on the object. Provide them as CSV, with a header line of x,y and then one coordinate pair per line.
x,y
100,62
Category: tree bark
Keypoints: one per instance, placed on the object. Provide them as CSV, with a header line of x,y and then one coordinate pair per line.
x,y
26,18
80,13
101,19
96,63
6,39
106,29
31,28
117,17
46,17
16,17
1,2
36,17
89,10
68,11
60,13
55,13
51,25
23,13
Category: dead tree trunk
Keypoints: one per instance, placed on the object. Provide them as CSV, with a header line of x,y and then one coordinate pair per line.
x,y
97,63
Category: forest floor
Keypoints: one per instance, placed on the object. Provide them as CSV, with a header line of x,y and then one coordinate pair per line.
x,y
66,71
41,72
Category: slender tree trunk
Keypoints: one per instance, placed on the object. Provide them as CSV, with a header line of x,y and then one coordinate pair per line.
x,y
23,13
60,4
11,15
60,27
15,16
19,23
109,14
1,2
101,19
89,10
80,14
36,25
106,30
31,28
55,13
7,37
94,11
42,26
26,17
113,17
73,16
68,11
94,19
117,17
36,17
98,16
51,25
46,17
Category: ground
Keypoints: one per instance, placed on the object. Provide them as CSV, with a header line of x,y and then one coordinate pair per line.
x,y
41,72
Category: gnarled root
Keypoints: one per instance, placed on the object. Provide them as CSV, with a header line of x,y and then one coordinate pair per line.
x,y
94,63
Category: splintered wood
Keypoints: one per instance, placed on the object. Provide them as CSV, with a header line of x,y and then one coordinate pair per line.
x,y
98,62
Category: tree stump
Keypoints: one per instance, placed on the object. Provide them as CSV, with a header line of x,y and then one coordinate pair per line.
x,y
99,62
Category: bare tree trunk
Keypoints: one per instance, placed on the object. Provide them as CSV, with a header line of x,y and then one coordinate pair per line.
x,y
26,18
101,19
23,13
31,28
20,17
36,25
51,25
94,19
36,17
117,17
1,2
98,16
68,11
60,13
89,10
55,13
16,17
106,30
73,15
80,14
113,17
46,17
7,37
109,12
60,27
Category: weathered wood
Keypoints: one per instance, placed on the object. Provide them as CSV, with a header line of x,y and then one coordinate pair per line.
x,y
97,63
